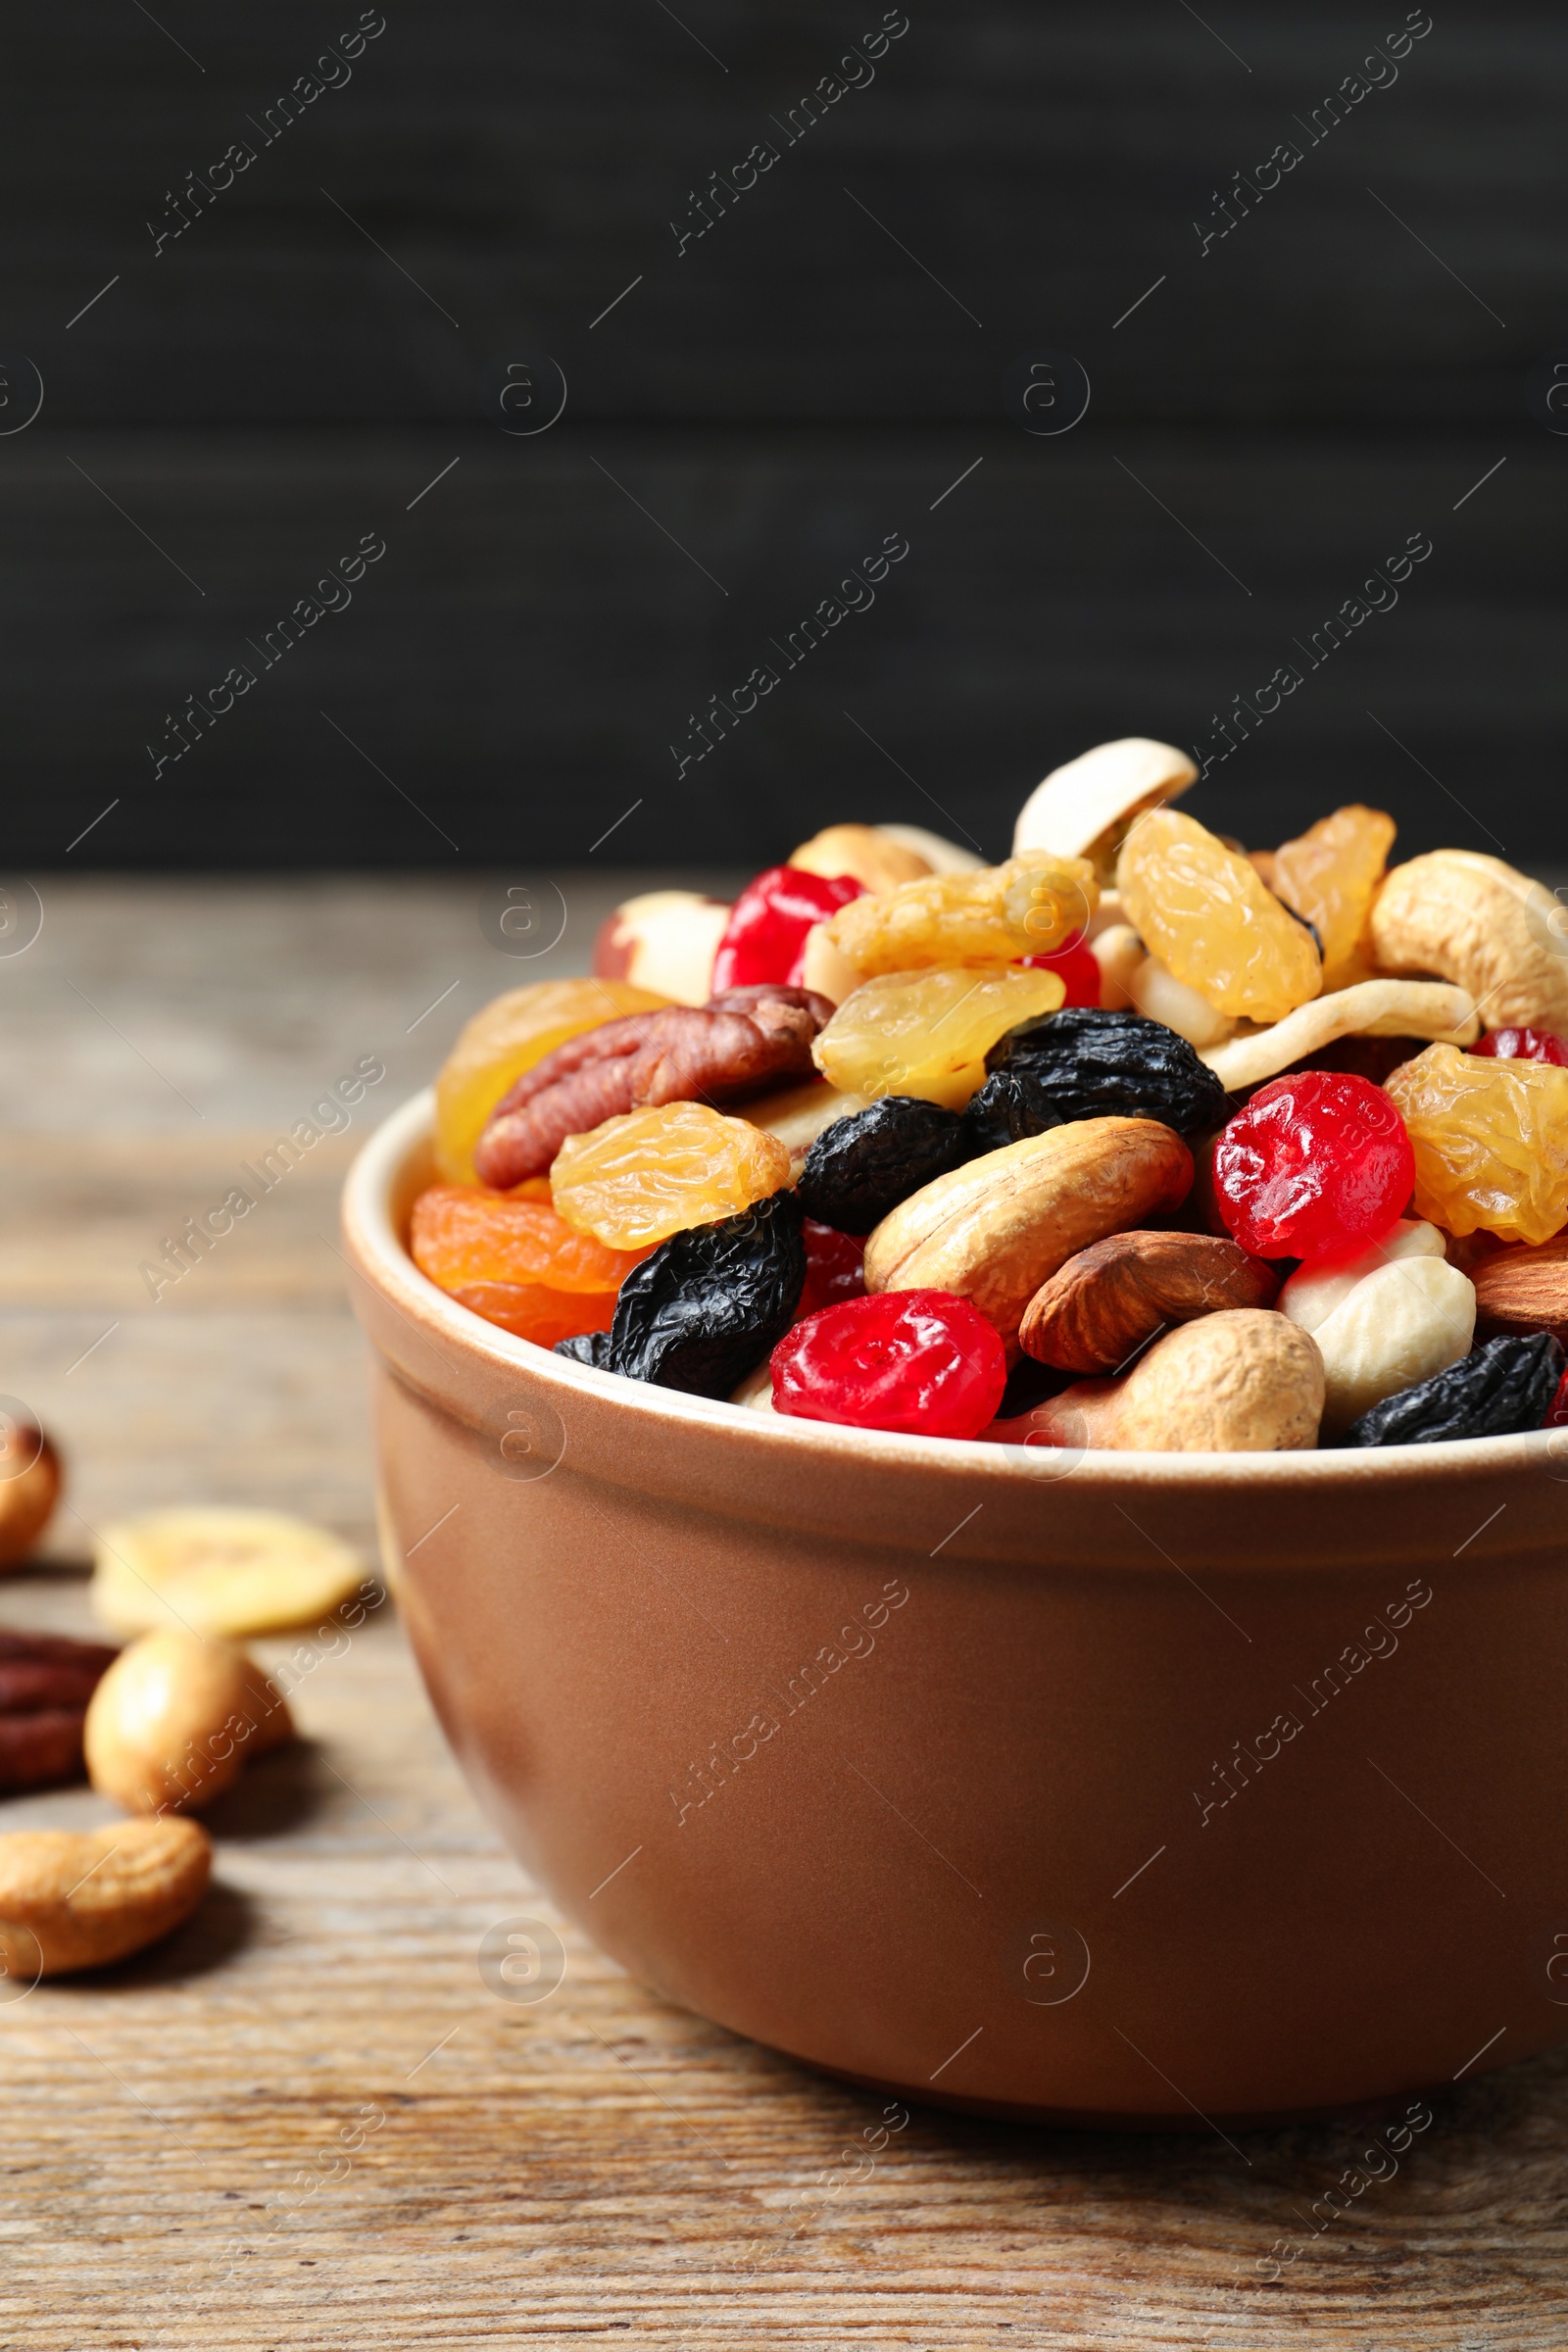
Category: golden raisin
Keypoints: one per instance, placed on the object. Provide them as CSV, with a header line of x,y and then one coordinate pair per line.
x,y
1000,915
1490,1141
928,1033
640,1177
1204,909
1330,874
506,1037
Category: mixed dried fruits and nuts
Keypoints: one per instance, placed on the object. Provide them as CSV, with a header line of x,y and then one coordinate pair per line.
x,y
1136,1139
161,1727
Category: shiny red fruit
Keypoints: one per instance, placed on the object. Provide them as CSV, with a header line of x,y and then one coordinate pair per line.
x,y
1079,970
835,1267
1316,1167
765,938
923,1363
1557,1410
1523,1045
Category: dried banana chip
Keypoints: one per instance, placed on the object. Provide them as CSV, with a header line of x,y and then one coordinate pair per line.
x,y
1430,1008
1083,810
218,1569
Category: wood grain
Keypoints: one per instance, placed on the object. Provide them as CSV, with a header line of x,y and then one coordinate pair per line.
x,y
597,2163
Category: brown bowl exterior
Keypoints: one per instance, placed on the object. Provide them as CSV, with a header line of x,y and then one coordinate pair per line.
x,y
1131,1788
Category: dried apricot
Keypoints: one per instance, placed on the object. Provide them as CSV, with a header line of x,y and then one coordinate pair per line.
x,y
928,1033
1202,909
1490,1141
1330,875
516,1263
1029,907
530,1311
460,1233
640,1177
506,1037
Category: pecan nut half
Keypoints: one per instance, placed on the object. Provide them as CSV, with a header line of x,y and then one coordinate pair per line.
x,y
1102,1305
743,1041
45,1683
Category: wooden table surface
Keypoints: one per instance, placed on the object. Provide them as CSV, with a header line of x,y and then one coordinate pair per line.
x,y
306,2120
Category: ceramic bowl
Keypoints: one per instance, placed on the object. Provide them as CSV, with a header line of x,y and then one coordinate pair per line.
x,y
1121,1788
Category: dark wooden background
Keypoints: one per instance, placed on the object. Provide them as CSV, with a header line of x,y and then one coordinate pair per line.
x,y
271,387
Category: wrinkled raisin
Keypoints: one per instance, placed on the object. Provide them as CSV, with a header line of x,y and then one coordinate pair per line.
x,y
1329,876
1205,912
1499,1390
588,1347
1093,1064
643,1175
1490,1141
709,1304
1029,907
860,1167
927,1033
1012,1105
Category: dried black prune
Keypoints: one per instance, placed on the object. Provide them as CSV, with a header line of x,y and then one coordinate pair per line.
x,y
711,1302
587,1347
1089,1063
1012,1104
860,1167
1498,1390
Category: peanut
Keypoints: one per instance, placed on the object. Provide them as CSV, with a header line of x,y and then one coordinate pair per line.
x,y
175,1719
1243,1381
80,1902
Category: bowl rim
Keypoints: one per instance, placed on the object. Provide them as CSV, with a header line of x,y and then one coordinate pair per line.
x,y
368,1192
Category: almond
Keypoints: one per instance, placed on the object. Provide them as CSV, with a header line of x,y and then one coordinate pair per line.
x,y
1523,1290
1103,1304
997,1229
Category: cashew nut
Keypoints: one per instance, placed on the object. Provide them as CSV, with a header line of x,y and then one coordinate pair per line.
x,y
1477,921
1083,810
1398,1324
1157,992
1372,1009
71,1900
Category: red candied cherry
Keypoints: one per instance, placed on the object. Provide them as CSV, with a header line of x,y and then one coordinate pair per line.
x,y
1316,1167
1078,967
1523,1045
924,1363
765,938
835,1267
1557,1410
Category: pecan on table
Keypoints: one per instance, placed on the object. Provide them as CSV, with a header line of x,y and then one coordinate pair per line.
x,y
45,1683
745,1040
